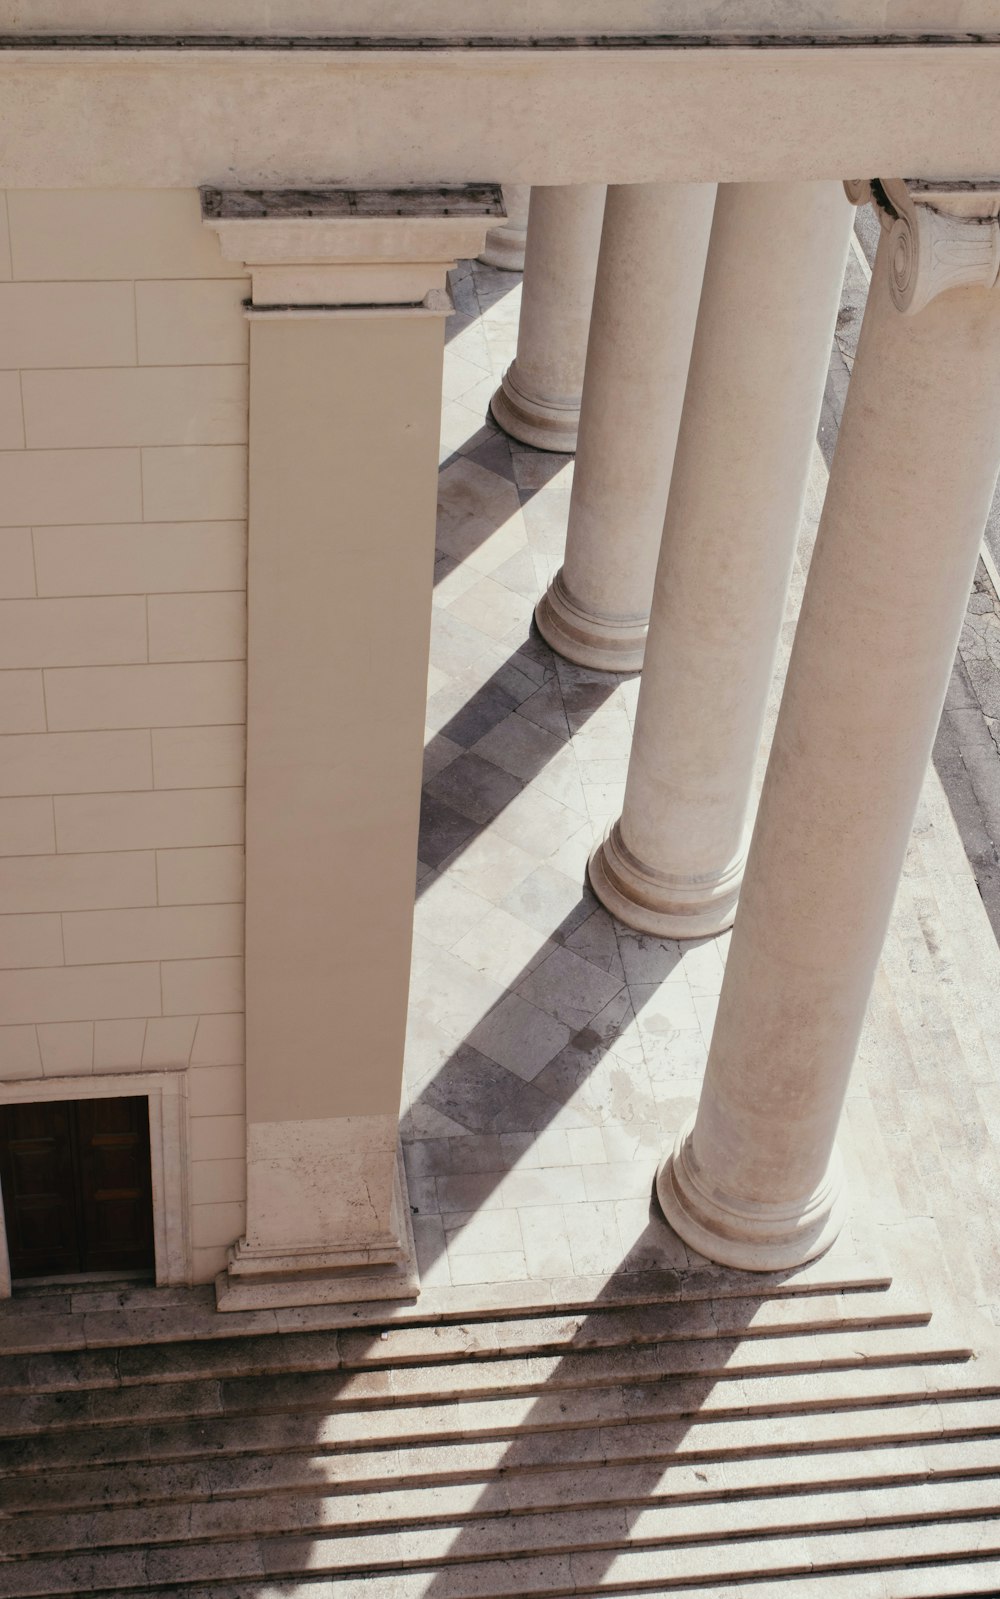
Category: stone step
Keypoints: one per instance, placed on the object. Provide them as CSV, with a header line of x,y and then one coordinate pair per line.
x,y
741,1318
251,1476
959,1579
611,1440
868,1346
631,1504
96,1317
360,1408
542,1555
705,1443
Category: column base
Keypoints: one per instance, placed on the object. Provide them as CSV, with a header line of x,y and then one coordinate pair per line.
x,y
660,903
541,423
737,1232
266,1279
603,644
504,248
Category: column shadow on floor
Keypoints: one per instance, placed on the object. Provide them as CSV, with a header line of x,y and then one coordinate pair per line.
x,y
644,1439
469,793
533,1055
642,1409
598,1078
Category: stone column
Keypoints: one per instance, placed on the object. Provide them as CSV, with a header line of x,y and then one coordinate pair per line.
x,y
596,609
538,401
756,1182
504,246
673,862
347,334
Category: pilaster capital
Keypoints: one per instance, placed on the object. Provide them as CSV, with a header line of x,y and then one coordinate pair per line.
x,y
326,250
942,235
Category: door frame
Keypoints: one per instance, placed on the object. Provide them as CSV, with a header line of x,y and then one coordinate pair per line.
x,y
168,1141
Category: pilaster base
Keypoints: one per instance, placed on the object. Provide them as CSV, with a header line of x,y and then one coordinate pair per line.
x,y
605,644
736,1232
660,903
504,248
257,1278
541,423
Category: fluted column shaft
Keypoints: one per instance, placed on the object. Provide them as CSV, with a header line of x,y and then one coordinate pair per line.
x,y
672,864
649,274
756,1181
538,401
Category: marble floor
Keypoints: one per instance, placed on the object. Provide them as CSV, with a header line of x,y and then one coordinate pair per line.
x,y
551,1052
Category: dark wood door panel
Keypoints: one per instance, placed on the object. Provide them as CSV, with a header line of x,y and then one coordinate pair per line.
x,y
77,1188
40,1188
116,1188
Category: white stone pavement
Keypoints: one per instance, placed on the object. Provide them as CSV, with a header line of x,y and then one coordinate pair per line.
x,y
551,1053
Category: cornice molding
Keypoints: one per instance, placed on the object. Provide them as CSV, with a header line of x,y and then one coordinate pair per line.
x,y
318,250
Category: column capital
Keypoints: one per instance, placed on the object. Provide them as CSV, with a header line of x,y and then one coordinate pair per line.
x,y
942,235
338,251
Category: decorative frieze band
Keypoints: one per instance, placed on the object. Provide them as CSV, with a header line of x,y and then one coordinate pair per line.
x,y
942,235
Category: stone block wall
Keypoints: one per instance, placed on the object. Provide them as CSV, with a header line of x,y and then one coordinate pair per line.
x,y
123,422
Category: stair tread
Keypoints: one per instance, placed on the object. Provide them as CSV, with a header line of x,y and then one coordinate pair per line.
x,y
318,1475
103,1316
958,1579
494,1565
704,1444
361,1407
247,1436
708,1319
481,1519
867,1345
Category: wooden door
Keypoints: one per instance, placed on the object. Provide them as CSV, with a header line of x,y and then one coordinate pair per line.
x,y
39,1188
76,1186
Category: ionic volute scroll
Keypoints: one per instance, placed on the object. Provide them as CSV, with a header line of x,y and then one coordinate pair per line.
x,y
941,236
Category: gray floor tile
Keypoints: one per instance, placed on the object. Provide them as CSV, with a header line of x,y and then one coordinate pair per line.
x,y
442,830
569,987
474,787
520,1036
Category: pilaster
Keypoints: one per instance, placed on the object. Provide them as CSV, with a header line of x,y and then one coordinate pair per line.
x,y
347,318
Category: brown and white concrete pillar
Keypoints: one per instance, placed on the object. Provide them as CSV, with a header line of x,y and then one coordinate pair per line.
x,y
755,1181
652,260
673,862
538,401
504,247
346,347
